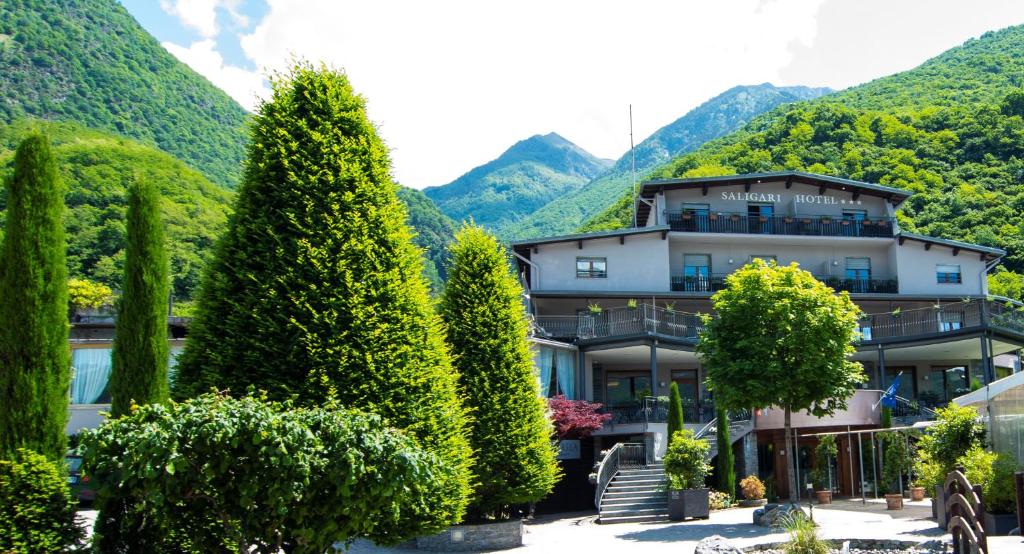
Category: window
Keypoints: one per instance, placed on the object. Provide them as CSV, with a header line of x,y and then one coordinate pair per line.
x,y
759,217
945,274
591,268
90,370
696,272
696,217
951,321
855,215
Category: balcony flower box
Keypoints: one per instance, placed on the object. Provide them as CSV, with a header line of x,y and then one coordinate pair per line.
x,y
734,217
806,221
713,217
788,220
687,216
867,222
826,220
845,222
763,219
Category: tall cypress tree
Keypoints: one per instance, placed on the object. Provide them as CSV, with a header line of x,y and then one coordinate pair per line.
x,y
675,411
139,369
487,329
35,359
726,460
316,290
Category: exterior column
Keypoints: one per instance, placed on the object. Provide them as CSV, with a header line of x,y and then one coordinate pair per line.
x,y
986,362
581,376
881,367
654,369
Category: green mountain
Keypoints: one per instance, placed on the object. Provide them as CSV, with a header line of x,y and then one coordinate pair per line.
x,y
90,62
720,115
951,130
525,177
94,165
434,233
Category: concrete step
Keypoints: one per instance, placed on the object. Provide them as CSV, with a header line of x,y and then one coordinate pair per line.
x,y
634,506
634,494
653,478
637,488
633,518
636,512
648,471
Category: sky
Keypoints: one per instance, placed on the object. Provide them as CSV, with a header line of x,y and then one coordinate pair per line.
x,y
452,84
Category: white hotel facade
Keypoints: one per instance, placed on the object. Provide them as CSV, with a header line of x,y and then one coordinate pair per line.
x,y
616,313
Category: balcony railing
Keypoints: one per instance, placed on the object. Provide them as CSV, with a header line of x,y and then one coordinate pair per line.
x,y
716,282
646,319
807,225
655,410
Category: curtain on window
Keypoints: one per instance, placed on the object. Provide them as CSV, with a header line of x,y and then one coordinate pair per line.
x,y
172,362
567,373
91,370
545,357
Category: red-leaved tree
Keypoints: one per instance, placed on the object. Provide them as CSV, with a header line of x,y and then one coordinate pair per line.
x,y
575,419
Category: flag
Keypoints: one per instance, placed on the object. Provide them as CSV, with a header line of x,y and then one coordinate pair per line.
x,y
889,398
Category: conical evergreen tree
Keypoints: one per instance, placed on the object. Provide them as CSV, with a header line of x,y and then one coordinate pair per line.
x,y
317,291
139,368
487,329
35,359
675,411
726,460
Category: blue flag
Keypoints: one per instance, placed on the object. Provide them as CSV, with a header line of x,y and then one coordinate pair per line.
x,y
889,398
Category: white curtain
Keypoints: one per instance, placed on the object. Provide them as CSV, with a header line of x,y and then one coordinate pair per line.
x,y
172,362
545,357
91,371
566,363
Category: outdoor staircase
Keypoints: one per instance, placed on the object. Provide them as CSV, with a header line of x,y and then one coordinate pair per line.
x,y
636,495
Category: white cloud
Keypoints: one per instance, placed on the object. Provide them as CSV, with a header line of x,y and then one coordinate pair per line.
x,y
452,84
243,85
201,15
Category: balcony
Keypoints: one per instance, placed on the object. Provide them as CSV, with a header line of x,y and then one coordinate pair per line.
x,y
800,225
942,319
716,282
621,322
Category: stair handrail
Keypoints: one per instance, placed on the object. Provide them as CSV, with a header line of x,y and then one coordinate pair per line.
x,y
928,412
704,431
606,470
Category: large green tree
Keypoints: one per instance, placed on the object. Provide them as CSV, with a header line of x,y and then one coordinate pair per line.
x,y
139,368
781,338
483,310
35,359
316,290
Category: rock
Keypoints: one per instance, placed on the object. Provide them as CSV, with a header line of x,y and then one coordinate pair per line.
x,y
716,544
773,513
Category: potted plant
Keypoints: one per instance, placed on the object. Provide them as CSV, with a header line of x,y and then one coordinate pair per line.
x,y
897,461
631,303
687,215
916,491
670,308
806,221
713,217
788,219
994,472
595,309
826,220
753,491
735,217
686,467
821,476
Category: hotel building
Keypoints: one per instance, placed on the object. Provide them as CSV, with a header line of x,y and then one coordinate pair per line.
x,y
616,313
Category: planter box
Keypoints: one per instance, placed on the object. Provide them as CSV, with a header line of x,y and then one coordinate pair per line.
x,y
463,538
687,503
894,501
917,494
1000,524
824,497
753,503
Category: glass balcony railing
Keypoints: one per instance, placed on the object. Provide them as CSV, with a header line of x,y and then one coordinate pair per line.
x,y
807,225
715,282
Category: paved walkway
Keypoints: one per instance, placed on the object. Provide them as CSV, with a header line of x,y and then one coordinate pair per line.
x,y
843,520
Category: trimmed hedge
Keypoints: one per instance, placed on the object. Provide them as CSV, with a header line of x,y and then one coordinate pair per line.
x,y
37,509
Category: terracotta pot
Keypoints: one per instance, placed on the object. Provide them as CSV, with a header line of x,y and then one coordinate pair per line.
x,y
894,502
917,494
824,497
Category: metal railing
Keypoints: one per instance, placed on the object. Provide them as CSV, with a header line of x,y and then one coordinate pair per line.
x,y
624,455
807,225
716,282
615,322
912,409
698,283
923,321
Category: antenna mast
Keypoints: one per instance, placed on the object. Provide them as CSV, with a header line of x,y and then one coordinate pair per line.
x,y
632,155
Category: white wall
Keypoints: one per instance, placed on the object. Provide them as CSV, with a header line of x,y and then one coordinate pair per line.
x,y
85,416
859,412
816,259
640,264
917,270
792,201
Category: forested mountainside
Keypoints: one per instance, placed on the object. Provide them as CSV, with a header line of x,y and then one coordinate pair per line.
x,y
94,166
434,233
963,154
90,62
714,118
525,177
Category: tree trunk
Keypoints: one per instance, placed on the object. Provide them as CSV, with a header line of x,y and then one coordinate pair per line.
x,y
791,460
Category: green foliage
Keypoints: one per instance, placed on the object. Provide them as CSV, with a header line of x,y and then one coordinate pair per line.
x,y
317,290
685,460
525,177
897,461
752,487
89,61
956,431
139,359
803,536
487,328
1006,284
35,360
37,509
223,474
824,453
994,472
726,460
675,411
718,500
886,417
96,167
434,233
84,294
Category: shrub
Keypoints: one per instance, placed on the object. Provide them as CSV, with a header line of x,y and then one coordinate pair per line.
x,y
223,472
487,329
823,454
575,419
719,500
803,536
316,290
956,431
994,472
897,461
35,359
37,509
686,461
84,294
752,487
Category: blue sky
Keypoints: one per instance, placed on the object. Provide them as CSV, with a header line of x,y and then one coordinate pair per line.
x,y
453,83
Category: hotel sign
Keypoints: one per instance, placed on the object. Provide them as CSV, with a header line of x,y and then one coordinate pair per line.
x,y
797,198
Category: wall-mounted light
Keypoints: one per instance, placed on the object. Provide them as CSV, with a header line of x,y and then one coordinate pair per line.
x,y
730,261
835,262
